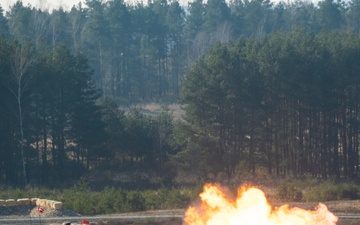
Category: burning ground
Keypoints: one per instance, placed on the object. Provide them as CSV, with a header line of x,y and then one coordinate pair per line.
x,y
249,207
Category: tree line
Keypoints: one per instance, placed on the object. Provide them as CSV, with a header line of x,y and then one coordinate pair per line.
x,y
288,102
53,127
141,51
279,89
48,103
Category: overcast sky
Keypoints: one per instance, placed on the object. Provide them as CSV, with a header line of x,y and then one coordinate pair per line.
x,y
44,4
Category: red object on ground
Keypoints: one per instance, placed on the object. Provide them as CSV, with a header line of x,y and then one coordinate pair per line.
x,y
84,222
41,210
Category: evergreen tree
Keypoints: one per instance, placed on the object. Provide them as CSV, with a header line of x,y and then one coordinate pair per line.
x,y
257,17
20,22
8,127
193,27
120,28
21,59
353,15
175,20
96,37
115,122
87,128
4,28
329,14
216,14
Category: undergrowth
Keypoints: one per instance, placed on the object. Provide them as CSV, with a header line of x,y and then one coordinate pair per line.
x,y
315,190
82,200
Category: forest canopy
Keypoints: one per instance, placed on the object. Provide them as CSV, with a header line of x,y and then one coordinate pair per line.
x,y
141,52
288,102
263,85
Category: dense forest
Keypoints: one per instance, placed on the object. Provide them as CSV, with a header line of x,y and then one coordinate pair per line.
x,y
264,86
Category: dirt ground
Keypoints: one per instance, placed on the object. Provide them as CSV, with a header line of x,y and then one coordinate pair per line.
x,y
339,208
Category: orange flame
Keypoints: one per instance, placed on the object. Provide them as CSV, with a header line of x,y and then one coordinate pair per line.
x,y
250,208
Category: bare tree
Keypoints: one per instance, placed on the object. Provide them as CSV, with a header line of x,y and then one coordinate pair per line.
x,y
77,20
21,60
41,25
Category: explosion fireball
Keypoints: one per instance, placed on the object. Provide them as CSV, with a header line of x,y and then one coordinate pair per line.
x,y
250,208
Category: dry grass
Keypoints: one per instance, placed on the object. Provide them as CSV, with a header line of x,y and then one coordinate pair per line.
x,y
154,109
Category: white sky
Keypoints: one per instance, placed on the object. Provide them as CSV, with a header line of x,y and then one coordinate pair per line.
x,y
45,4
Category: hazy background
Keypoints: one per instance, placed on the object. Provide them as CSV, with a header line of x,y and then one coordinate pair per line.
x,y
67,4
45,4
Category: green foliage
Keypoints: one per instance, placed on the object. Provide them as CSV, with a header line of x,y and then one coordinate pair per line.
x,y
140,48
323,192
289,192
167,198
330,190
135,201
79,198
57,100
281,100
106,201
350,191
316,190
110,200
8,192
241,100
81,202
